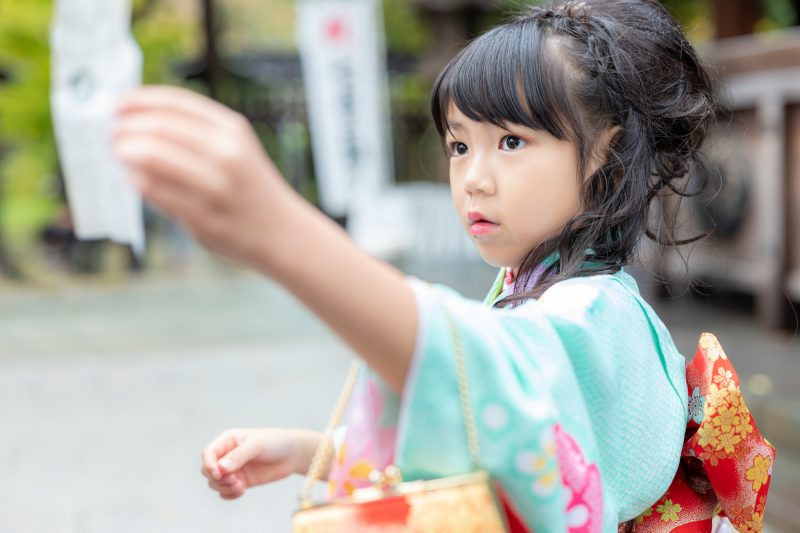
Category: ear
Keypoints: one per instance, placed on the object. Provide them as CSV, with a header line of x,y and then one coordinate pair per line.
x,y
600,148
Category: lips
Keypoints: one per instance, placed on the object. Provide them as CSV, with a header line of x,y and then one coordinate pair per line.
x,y
480,224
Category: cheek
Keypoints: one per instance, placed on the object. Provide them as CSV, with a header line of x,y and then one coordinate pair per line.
x,y
455,197
456,190
550,199
563,202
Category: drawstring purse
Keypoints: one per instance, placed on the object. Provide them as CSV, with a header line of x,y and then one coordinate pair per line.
x,y
456,504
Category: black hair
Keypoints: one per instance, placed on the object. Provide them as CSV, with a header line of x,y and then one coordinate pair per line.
x,y
576,70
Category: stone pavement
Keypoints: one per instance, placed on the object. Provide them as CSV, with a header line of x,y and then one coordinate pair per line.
x,y
108,394
107,398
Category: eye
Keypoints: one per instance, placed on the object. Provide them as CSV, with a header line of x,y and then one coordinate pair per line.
x,y
457,148
511,143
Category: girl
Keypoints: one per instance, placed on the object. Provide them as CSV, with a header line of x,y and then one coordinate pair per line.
x,y
562,126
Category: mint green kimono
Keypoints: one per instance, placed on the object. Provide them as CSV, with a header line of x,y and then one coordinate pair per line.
x,y
579,399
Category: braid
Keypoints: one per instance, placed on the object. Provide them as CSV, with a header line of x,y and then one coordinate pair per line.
x,y
575,10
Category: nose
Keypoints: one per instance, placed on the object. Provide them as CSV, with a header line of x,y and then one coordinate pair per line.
x,y
479,177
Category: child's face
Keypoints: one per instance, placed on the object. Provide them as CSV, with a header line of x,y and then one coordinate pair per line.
x,y
512,188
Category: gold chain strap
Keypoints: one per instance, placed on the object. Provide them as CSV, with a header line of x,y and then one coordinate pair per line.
x,y
464,392
323,454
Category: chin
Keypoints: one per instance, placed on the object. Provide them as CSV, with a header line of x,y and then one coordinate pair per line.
x,y
494,259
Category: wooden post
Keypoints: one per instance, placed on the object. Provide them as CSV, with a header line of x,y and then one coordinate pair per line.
x,y
211,69
454,23
770,300
735,17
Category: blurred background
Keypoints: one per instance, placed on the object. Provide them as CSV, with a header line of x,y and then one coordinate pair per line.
x,y
115,370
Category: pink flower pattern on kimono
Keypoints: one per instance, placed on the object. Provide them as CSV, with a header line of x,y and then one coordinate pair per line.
x,y
582,480
367,445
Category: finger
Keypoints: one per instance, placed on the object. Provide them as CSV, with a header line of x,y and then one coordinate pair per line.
x,y
231,495
229,480
219,151
170,127
208,471
226,483
170,163
239,456
193,106
218,447
173,201
228,492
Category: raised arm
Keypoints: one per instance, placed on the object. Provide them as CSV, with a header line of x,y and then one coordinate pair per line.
x,y
202,164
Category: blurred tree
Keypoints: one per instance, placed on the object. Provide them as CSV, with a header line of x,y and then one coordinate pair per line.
x,y
6,267
252,26
25,128
777,14
695,15
406,31
707,19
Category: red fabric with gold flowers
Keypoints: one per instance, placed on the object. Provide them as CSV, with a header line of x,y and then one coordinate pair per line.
x,y
726,466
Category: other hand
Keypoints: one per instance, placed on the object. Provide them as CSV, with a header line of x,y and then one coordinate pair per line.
x,y
238,459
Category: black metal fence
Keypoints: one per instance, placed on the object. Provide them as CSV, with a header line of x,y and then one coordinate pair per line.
x,y
268,90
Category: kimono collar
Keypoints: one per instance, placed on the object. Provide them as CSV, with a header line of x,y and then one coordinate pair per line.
x,y
506,283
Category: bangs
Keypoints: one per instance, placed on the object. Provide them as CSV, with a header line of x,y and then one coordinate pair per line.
x,y
513,74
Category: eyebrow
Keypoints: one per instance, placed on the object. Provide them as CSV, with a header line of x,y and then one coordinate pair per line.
x,y
460,126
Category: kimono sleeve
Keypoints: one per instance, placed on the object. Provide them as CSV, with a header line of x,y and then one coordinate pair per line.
x,y
536,415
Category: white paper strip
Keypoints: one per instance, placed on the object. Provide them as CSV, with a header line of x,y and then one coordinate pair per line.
x,y
344,70
94,61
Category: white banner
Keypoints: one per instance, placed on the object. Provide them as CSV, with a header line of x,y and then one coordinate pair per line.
x,y
343,55
94,61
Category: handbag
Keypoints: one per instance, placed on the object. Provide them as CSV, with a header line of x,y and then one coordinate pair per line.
x,y
465,503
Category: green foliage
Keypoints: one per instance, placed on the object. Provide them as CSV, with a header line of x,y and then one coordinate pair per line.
x,y
696,16
166,37
254,25
777,14
689,11
24,108
508,9
406,31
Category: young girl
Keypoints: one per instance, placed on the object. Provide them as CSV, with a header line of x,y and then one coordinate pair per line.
x,y
562,127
